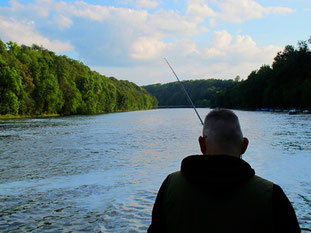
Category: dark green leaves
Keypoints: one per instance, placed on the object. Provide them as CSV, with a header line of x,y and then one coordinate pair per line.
x,y
35,81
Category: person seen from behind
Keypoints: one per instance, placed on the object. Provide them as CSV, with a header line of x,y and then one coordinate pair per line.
x,y
218,191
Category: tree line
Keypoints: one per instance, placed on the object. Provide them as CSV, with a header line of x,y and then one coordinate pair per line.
x,y
201,92
36,81
285,84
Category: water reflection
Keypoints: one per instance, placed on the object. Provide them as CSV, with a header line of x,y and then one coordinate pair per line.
x,y
101,173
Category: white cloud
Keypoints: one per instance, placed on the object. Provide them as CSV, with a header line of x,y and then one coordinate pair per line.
x,y
155,49
147,4
162,22
246,47
147,48
212,53
279,10
221,39
227,56
105,34
131,43
239,48
62,21
15,4
42,7
88,11
174,24
200,8
212,22
24,33
184,48
235,11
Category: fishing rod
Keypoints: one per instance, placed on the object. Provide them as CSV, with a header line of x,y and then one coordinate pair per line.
x,y
184,91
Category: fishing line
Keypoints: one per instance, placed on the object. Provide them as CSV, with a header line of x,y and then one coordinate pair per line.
x,y
184,91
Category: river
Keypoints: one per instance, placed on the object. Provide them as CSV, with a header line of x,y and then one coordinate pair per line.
x,y
101,173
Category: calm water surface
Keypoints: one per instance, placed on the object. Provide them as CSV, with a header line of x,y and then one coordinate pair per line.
x,y
102,173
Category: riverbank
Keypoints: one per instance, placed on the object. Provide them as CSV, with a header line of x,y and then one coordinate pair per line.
x,y
9,116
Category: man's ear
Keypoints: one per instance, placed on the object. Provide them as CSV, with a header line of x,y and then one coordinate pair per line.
x,y
244,145
202,145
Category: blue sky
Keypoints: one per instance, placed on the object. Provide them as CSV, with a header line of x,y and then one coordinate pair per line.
x,y
128,39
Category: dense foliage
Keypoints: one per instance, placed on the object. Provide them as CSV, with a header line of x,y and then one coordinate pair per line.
x,y
201,92
35,81
287,84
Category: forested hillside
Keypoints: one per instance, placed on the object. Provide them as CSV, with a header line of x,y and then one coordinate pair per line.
x,y
201,92
285,84
35,81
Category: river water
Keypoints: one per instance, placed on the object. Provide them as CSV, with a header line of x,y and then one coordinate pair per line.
x,y
101,173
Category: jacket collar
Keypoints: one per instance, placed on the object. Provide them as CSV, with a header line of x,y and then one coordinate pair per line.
x,y
216,169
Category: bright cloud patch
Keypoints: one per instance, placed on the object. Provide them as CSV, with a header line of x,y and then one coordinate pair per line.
x,y
200,8
235,11
238,49
87,11
24,33
62,21
147,4
147,48
132,40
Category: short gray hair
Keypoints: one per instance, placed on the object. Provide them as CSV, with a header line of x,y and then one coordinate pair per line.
x,y
222,130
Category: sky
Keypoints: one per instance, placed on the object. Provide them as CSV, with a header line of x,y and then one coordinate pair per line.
x,y
129,39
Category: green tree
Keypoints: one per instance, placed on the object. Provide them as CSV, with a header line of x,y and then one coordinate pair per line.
x,y
34,80
284,85
49,97
10,89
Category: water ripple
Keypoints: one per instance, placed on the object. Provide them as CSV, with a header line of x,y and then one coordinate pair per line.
x,y
102,173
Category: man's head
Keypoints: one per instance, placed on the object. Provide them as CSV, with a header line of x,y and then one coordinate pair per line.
x,y
222,134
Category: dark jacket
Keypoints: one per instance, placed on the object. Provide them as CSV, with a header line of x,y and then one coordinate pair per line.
x,y
220,194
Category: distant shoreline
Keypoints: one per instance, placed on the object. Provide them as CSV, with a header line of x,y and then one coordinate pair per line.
x,y
9,116
183,106
291,111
